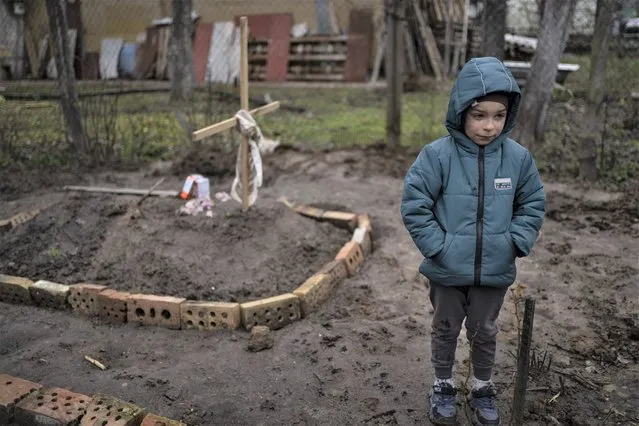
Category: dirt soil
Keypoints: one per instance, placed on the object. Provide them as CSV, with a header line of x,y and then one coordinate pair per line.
x,y
363,358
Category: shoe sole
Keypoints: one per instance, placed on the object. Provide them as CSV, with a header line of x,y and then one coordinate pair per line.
x,y
476,421
451,422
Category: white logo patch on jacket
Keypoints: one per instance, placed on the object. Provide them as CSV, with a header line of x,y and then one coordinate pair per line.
x,y
502,184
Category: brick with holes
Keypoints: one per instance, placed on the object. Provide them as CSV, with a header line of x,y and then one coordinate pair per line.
x,y
47,294
345,220
273,312
147,309
319,287
351,253
51,406
107,410
336,269
15,290
210,315
112,306
12,390
313,292
155,420
83,298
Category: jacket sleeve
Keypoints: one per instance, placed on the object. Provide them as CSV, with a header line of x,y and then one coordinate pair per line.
x,y
529,207
421,188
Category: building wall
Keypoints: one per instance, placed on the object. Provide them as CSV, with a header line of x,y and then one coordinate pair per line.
x,y
130,18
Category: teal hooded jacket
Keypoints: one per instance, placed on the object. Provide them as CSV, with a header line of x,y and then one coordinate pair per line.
x,y
473,210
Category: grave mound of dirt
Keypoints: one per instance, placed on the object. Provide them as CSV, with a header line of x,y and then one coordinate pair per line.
x,y
232,256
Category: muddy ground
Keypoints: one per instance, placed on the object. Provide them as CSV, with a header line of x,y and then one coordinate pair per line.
x,y
363,358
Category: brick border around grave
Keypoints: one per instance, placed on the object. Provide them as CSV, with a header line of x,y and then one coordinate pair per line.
x,y
117,307
31,404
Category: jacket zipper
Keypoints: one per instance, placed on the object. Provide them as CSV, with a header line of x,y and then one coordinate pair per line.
x,y
480,218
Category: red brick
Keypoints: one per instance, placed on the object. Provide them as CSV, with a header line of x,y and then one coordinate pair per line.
x,y
352,254
112,306
52,406
15,290
107,410
210,315
83,298
154,420
12,390
145,309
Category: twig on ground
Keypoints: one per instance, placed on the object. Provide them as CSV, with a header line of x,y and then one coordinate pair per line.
x,y
579,379
95,362
145,196
318,377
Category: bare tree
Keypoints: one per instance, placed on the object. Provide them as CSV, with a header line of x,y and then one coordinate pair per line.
x,y
181,51
592,123
494,21
539,85
66,78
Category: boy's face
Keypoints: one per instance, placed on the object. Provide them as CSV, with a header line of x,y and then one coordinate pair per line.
x,y
486,119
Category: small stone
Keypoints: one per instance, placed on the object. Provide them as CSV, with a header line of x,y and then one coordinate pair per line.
x,y
261,338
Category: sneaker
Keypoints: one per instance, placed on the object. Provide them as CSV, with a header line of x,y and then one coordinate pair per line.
x,y
482,402
443,409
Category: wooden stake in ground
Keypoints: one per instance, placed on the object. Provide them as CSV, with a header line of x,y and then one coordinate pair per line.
x,y
244,102
244,95
523,362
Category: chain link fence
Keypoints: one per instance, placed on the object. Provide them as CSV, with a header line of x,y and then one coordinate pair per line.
x,y
324,60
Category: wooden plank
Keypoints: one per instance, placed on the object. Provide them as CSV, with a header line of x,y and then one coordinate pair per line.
x,y
411,57
360,30
320,39
280,46
426,32
164,38
379,55
32,53
244,101
332,17
230,123
316,77
201,48
122,191
150,52
318,57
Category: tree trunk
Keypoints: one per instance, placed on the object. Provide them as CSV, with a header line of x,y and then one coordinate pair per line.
x,y
181,51
66,77
494,22
538,91
593,120
394,71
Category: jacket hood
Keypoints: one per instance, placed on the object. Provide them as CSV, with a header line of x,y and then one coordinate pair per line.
x,y
480,77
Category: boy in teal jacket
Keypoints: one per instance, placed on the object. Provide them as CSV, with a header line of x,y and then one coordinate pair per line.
x,y
473,202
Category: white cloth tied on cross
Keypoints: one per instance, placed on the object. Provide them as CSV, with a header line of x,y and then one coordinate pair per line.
x,y
247,126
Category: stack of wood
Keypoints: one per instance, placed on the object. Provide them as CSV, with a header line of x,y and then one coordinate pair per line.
x,y
439,37
320,57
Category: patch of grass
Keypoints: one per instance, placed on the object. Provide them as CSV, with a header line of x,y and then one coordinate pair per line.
x,y
622,74
148,126
354,117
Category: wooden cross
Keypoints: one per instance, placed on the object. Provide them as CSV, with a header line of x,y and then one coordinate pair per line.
x,y
244,102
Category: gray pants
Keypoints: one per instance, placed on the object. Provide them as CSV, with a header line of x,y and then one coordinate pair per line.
x,y
480,306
